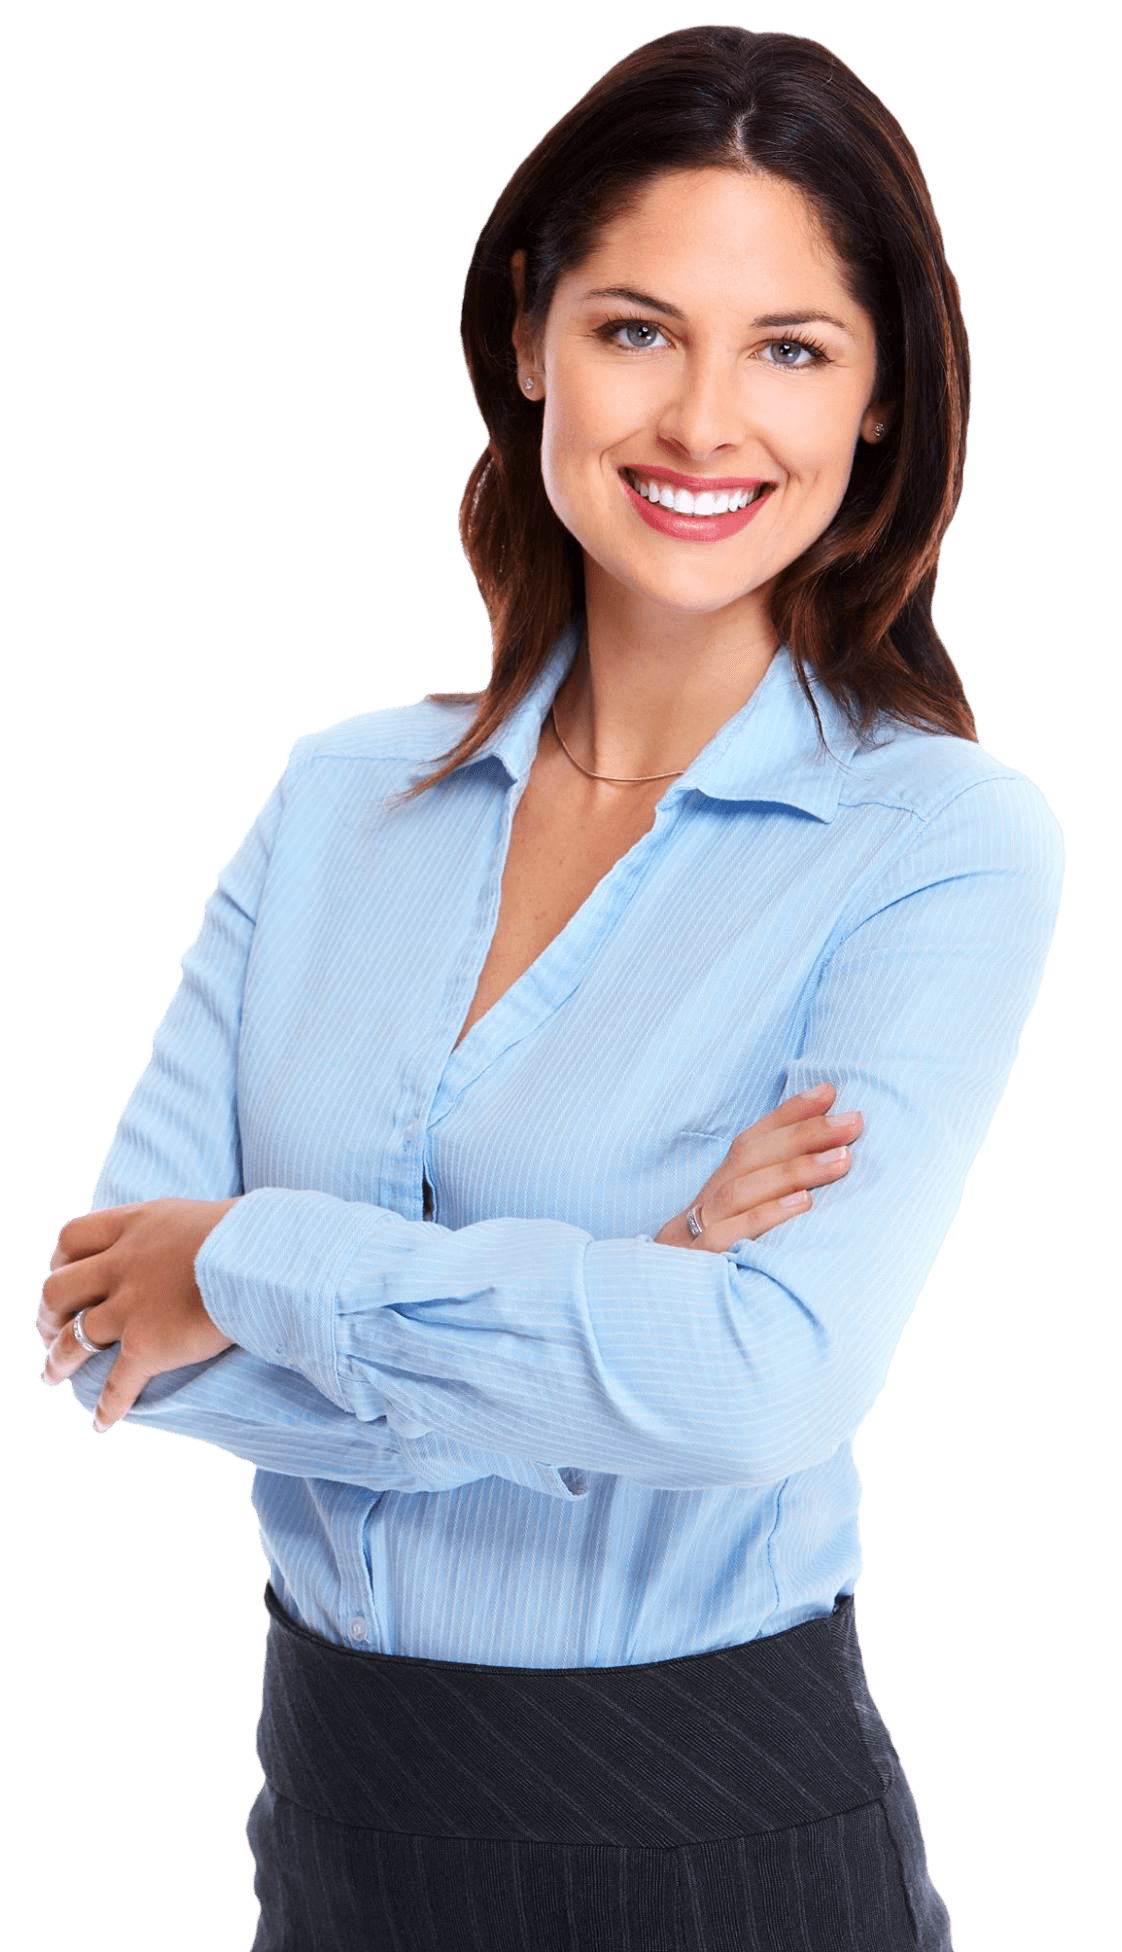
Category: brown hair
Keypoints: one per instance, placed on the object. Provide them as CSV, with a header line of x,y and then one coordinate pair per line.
x,y
856,605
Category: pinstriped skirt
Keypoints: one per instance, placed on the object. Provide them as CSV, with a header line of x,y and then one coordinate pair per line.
x,y
744,1800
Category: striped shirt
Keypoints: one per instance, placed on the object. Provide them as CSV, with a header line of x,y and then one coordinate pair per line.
x,y
493,1419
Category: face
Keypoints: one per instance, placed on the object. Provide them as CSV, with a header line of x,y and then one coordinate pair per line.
x,y
739,358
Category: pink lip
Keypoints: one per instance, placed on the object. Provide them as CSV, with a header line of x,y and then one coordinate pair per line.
x,y
693,528
695,482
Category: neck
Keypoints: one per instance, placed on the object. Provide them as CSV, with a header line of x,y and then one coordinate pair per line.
x,y
648,687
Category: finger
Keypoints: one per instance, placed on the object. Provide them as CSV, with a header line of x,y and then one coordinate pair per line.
x,y
59,1258
66,1353
803,1104
736,1198
750,1226
119,1391
91,1233
792,1111
746,1191
774,1147
818,1135
68,1289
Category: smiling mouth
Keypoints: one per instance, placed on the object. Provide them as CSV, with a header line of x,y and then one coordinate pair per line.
x,y
685,501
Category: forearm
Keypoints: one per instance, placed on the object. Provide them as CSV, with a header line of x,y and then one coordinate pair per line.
x,y
277,1421
532,1338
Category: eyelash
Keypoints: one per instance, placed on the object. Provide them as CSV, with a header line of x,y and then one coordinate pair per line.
x,y
813,346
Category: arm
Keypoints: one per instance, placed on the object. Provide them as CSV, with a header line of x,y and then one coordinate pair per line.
x,y
275,1419
674,1367
179,1134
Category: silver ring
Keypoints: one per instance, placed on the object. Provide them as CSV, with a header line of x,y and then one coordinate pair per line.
x,y
82,1339
693,1223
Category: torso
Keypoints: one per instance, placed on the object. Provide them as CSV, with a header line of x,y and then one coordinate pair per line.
x,y
566,835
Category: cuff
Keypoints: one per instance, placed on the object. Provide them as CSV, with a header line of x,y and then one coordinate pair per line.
x,y
269,1274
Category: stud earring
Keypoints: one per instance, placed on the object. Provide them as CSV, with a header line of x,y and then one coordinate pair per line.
x,y
528,383
878,431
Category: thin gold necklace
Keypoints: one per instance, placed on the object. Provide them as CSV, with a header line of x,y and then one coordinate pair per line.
x,y
613,779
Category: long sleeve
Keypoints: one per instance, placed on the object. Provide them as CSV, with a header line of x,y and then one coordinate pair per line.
x,y
805,906
682,1368
179,1135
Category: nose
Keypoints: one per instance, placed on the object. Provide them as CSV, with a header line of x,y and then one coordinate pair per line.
x,y
705,416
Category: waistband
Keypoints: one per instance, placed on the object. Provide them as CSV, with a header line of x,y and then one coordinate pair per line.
x,y
778,1731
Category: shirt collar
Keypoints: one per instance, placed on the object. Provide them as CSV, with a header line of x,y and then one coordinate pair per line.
x,y
769,751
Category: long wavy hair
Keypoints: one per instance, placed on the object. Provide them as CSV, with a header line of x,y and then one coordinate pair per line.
x,y
855,607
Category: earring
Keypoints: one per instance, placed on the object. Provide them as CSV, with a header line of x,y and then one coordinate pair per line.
x,y
528,383
878,431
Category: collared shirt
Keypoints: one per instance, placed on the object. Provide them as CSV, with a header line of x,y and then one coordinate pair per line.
x,y
501,1422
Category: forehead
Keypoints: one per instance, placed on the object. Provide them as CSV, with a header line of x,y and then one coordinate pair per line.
x,y
719,233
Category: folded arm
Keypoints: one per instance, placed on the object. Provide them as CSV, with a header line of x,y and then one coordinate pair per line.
x,y
179,1135
676,1367
392,1352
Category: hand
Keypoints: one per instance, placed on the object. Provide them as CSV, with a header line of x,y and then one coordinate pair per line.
x,y
133,1267
779,1156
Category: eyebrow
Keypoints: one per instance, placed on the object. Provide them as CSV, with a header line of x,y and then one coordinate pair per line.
x,y
769,319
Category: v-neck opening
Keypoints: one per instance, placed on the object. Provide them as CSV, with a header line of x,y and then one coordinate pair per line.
x,y
540,988
555,939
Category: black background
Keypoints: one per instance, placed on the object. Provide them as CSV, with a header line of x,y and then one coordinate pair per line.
x,y
246,326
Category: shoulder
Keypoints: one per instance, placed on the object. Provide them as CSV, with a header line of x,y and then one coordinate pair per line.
x,y
958,809
410,734
938,777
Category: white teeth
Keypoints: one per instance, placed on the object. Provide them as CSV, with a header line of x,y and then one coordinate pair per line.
x,y
722,501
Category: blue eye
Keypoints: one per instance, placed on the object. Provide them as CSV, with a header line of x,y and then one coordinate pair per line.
x,y
816,354
615,326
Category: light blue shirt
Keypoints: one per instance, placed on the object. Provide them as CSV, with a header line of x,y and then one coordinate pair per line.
x,y
522,1431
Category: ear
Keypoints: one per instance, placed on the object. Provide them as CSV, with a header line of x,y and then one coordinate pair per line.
x,y
523,340
878,414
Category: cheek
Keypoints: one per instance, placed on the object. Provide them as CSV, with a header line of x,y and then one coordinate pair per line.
x,y
588,410
816,446
576,429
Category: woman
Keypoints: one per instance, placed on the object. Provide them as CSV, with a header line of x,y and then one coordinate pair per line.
x,y
557,1492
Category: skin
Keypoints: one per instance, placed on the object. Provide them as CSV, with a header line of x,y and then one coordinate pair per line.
x,y
678,636
680,633
134,1268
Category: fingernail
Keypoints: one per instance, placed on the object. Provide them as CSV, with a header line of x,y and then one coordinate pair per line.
x,y
99,1426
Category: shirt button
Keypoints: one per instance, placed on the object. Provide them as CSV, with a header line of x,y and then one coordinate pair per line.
x,y
358,1628
411,1129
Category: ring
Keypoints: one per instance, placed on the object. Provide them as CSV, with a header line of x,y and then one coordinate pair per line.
x,y
83,1340
693,1223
